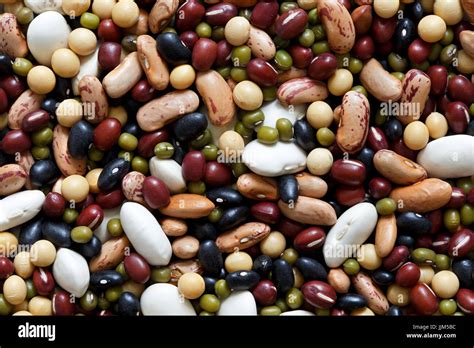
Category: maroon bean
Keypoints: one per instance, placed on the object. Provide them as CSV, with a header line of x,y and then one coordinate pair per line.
x,y
253,251
364,47
362,18
288,227
337,312
13,86
436,219
461,89
262,73
109,31
377,139
155,192
418,51
442,104
290,24
194,166
408,275
458,198
92,216
147,143
463,25
137,268
107,133
319,294
43,281
204,54
105,313
220,14
109,55
423,299
310,239
224,53
85,203
54,205
399,147
379,187
430,106
264,14
397,257
6,267
35,120
322,66
15,141
424,241
143,92
461,243
189,15
457,116
63,304
346,4
441,242
189,38
109,200
217,174
350,195
3,101
384,49
302,56
265,293
348,172
267,212
439,79
383,28
470,196
465,300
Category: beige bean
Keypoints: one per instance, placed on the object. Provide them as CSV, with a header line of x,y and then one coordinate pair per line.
x,y
93,96
257,187
161,14
261,44
122,79
66,163
290,74
376,299
301,90
364,311
217,96
12,40
8,244
398,169
181,267
111,254
26,161
161,111
398,296
185,247
309,211
12,179
174,227
385,235
416,89
311,185
242,237
151,62
188,206
132,186
339,280
141,26
338,25
23,266
379,82
465,62
27,102
466,37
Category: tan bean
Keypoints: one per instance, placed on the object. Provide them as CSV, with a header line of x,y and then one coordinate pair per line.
x,y
133,287
161,14
161,111
301,90
27,102
8,244
152,64
398,296
12,40
311,185
93,95
339,280
466,37
180,267
290,74
66,163
385,235
26,161
174,227
257,187
217,96
185,247
242,237
261,44
465,63
188,206
424,196
111,254
398,169
379,82
374,296
468,6
416,89
23,266
309,211
12,179
141,26
122,79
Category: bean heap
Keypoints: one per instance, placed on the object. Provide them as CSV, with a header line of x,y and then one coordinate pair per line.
x,y
166,157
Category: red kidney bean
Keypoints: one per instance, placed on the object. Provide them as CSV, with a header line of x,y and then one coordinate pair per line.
x,y
442,104
310,239
107,133
377,139
458,198
220,14
457,116
43,281
109,31
137,268
13,86
348,172
430,106
63,304
267,212
109,55
15,141
204,54
362,18
54,205
322,66
441,242
364,47
265,293
189,38
461,89
109,200
379,187
302,56
262,73
319,294
465,300
194,166
397,257
461,243
35,120
290,24
92,216
408,275
224,53
143,92
85,203
6,267
155,192
189,15
424,241
264,14
423,299
3,101
438,75
147,143
436,219
418,51
399,147
217,174
288,227
350,195
383,29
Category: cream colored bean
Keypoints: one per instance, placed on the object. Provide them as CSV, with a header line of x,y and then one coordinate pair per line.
x,y
273,245
69,112
182,76
82,41
40,305
41,79
449,10
76,7
416,135
75,188
237,31
119,113
191,285
122,79
185,247
23,266
319,161
42,253
340,82
319,114
231,143
248,95
386,8
368,258
437,125
92,178
125,13
14,290
364,311
465,62
65,63
445,284
398,295
426,274
103,8
431,28
174,227
238,261
8,244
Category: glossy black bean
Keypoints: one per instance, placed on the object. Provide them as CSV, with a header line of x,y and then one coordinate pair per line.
x,y
349,302
410,222
404,35
89,249
282,275
225,196
172,49
31,232
179,150
128,304
288,188
211,258
263,265
394,311
464,270
210,283
50,105
470,129
311,269
305,135
366,156
6,67
44,172
242,280
393,129
336,206
414,11
190,126
383,277
132,128
102,280
62,89
113,173
403,239
204,230
57,232
3,158
80,139
233,217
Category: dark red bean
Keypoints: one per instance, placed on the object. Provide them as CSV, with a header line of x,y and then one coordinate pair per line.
x,y
408,275
262,73
63,304
224,53
105,313
377,139
265,293
430,106
458,198
109,55
362,18
302,56
310,239
155,192
13,86
189,15
147,143
204,54
194,166
290,24
350,195
217,174
364,47
399,147
137,268
397,257
85,203
220,14
348,172
16,141
109,200
424,241
35,120
267,212
457,116
264,14
189,38
319,294
337,312
470,196
109,31
346,4
461,89
288,227
107,133
92,216
463,25
6,267
465,300
322,66
54,205
442,104
441,242
43,281
438,75
418,51
423,299
379,187
461,243
3,101
143,92
384,49
436,219
383,29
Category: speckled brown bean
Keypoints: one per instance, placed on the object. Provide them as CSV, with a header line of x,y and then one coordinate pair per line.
x,y
151,62
261,44
416,87
398,169
338,25
257,187
93,95
66,163
132,187
379,82
301,90
181,267
26,161
174,227
12,40
242,237
122,79
185,247
141,26
374,296
311,185
188,206
26,103
111,254
309,211
161,14
339,280
354,122
12,179
385,235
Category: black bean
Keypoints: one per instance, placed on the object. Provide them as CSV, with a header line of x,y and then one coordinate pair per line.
x,y
305,135
404,35
6,67
464,270
113,173
172,49
263,264
62,89
403,239
410,222
225,196
89,249
336,206
210,284
44,172
132,128
282,275
349,302
31,232
80,139
57,232
394,311
470,129
288,188
190,126
366,156
393,129
233,217
311,269
128,304
50,105
211,258
414,11
204,230
3,158
242,280
383,277
102,280
179,150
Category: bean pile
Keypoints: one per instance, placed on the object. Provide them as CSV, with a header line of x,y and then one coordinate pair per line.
x,y
166,157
